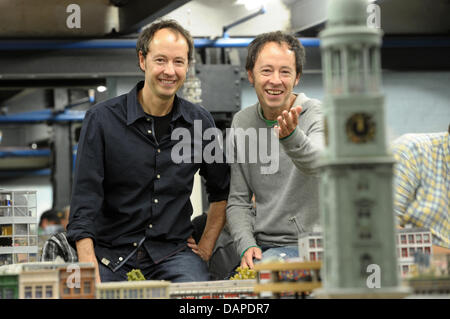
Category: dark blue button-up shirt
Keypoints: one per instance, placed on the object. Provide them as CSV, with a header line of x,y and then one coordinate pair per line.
x,y
127,189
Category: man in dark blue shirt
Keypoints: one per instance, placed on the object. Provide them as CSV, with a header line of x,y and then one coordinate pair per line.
x,y
130,205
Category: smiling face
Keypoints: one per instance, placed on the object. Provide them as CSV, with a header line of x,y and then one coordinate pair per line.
x,y
166,63
274,77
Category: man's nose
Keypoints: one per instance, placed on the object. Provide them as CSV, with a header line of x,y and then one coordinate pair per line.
x,y
275,78
169,69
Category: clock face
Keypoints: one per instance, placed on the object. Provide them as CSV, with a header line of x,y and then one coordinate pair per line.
x,y
360,128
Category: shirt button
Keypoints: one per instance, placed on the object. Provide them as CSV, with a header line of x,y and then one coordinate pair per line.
x,y
159,151
149,131
148,119
156,201
135,244
150,226
120,258
158,176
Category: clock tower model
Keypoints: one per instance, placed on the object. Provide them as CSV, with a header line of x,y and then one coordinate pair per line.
x,y
356,199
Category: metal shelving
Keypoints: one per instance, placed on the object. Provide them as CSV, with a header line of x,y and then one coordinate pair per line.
x,y
18,227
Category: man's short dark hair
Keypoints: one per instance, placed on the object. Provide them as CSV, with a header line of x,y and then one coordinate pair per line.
x,y
147,34
293,43
50,215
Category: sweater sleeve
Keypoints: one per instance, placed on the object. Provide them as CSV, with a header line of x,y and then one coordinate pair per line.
x,y
306,143
240,212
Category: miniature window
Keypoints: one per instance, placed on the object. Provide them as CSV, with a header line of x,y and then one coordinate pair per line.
x,y
336,72
312,243
412,251
141,293
38,292
426,238
133,294
8,293
420,250
20,258
405,269
33,229
319,255
356,74
87,287
48,292
427,250
66,290
6,259
404,252
32,240
5,211
20,241
403,239
77,291
20,229
156,293
319,243
411,239
419,239
6,242
312,256
6,230
28,292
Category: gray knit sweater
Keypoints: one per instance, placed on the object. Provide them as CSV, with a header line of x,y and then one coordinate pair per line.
x,y
292,190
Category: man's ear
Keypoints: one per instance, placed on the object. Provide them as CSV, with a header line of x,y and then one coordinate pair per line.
x,y
297,79
141,61
250,77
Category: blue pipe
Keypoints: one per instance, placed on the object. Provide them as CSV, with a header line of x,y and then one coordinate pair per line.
x,y
17,45
43,116
24,153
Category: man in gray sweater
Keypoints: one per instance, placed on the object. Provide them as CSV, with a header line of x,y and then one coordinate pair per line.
x,y
275,146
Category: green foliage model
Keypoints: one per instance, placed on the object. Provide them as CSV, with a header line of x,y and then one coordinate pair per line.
x,y
135,275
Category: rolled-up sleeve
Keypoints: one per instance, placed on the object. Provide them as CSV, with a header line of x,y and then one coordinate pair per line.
x,y
217,172
87,190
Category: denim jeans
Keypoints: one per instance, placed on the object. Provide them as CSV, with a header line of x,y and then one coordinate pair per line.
x,y
279,252
183,266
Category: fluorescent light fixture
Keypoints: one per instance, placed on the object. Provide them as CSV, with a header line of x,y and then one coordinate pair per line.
x,y
101,88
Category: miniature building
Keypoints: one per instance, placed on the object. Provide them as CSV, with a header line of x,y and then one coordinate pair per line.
x,y
38,282
18,227
356,168
9,286
409,242
45,280
310,246
84,288
146,289
276,279
220,289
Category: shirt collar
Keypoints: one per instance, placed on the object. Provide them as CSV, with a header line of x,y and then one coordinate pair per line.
x,y
135,110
